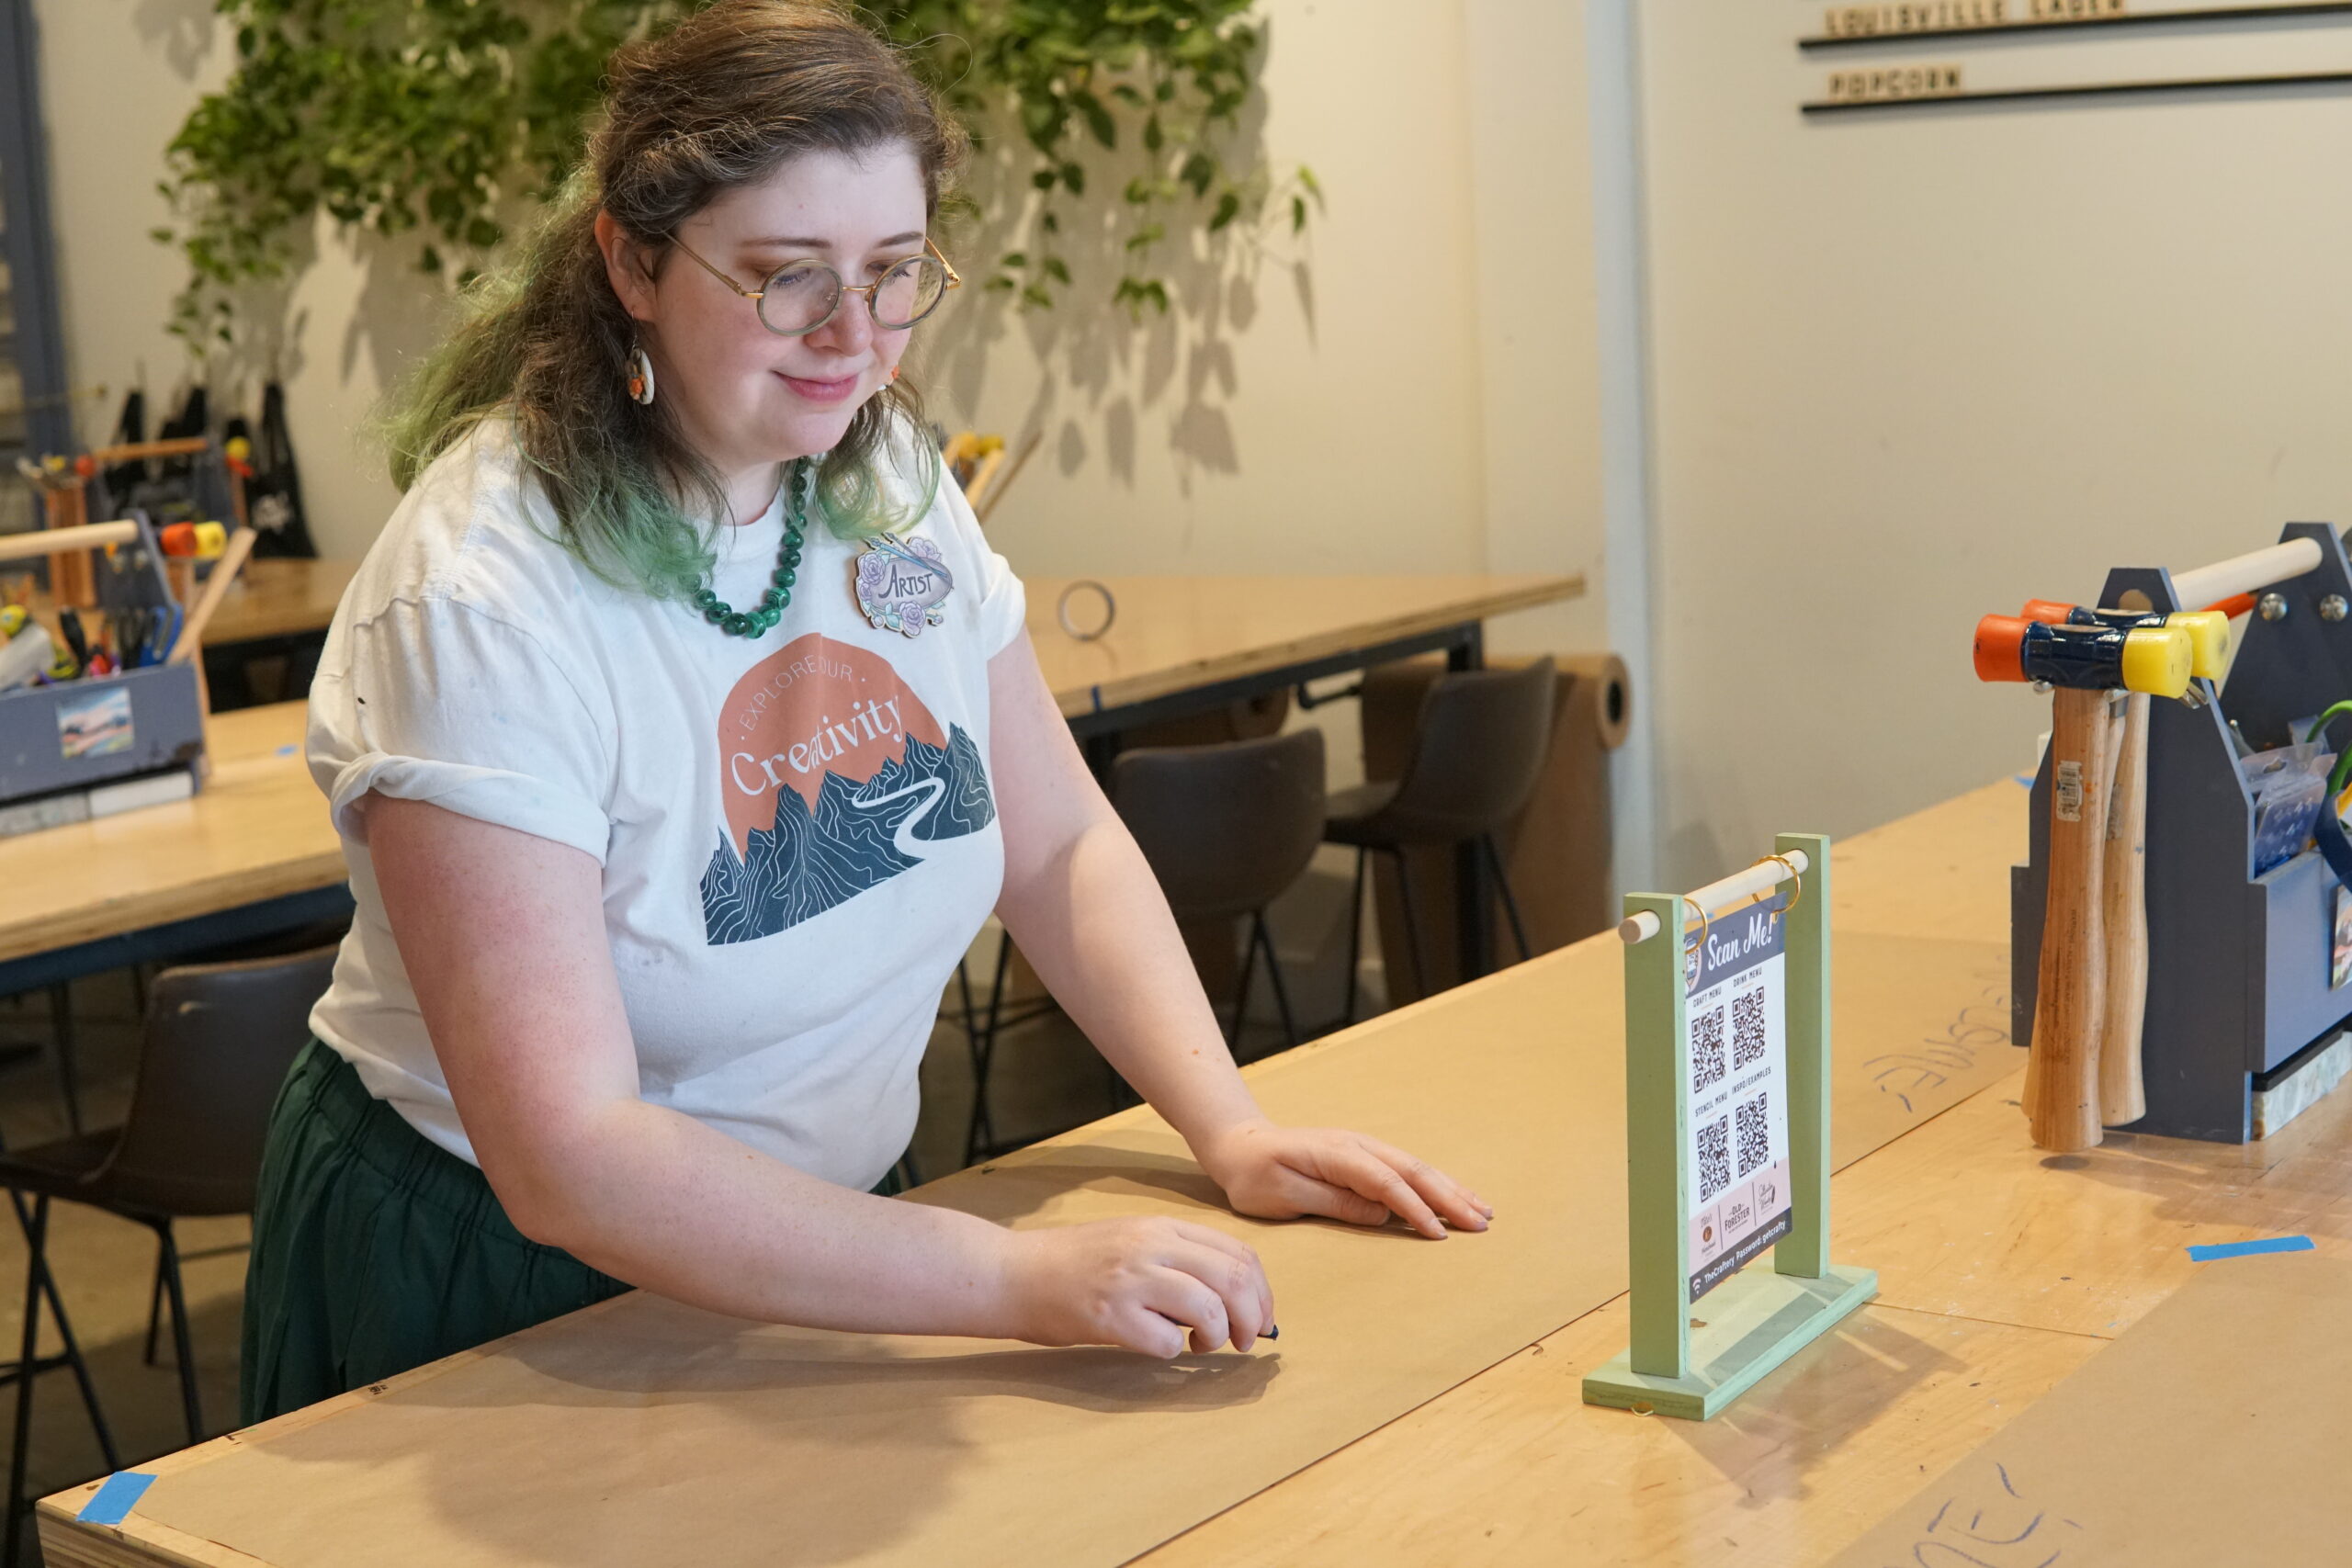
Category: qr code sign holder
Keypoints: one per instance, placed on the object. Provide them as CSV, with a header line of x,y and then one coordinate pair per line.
x,y
1727,1136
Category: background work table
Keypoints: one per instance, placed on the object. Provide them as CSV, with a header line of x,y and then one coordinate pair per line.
x,y
258,832
1423,1402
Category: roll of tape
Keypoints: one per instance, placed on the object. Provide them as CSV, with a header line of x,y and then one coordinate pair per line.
x,y
1110,609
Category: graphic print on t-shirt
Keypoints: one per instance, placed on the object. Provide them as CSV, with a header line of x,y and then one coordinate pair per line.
x,y
834,775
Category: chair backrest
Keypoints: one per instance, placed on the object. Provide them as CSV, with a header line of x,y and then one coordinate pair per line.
x,y
219,1040
1477,752
1225,828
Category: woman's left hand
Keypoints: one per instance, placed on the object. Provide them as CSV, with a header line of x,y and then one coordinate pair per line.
x,y
1280,1173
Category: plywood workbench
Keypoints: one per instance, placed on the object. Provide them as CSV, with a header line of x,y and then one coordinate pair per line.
x,y
1423,1401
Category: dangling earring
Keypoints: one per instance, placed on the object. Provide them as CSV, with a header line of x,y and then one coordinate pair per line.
x,y
640,376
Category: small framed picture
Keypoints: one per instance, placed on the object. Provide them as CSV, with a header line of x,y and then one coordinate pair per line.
x,y
93,724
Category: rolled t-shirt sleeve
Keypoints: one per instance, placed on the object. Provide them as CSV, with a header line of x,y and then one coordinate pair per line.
x,y
438,702
1000,605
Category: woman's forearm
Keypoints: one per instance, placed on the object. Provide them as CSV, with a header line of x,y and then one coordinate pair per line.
x,y
1092,922
656,1198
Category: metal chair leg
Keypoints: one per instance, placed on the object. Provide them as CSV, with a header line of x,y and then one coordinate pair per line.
x,y
979,1135
155,1309
1355,940
71,1355
1274,973
61,1030
1412,913
1510,905
1241,994
181,1345
35,1234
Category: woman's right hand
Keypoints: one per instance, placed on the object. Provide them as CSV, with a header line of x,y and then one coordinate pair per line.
x,y
1152,1285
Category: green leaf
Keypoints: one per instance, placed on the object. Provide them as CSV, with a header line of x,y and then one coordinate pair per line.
x,y
1052,267
1074,178
1013,259
1297,213
1198,170
1154,137
1149,234
1044,179
1037,299
1098,119
1227,206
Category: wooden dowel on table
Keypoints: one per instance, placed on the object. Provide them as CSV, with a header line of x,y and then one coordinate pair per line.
x,y
2062,1099
2254,569
216,588
1719,898
139,451
82,537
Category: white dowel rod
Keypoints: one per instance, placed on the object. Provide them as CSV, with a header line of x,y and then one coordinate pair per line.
x,y
1716,898
2206,585
81,536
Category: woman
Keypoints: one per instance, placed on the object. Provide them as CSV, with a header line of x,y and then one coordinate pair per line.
x,y
681,731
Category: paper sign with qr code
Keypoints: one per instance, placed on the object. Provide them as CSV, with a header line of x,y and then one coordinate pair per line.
x,y
1738,1147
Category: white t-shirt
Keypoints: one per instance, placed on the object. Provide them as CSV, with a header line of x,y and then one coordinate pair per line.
x,y
797,830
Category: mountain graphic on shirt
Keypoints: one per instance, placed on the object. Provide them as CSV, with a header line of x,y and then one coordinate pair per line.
x,y
853,797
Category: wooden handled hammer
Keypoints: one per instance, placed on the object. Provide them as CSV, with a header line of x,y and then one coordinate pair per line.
x,y
2123,881
2083,665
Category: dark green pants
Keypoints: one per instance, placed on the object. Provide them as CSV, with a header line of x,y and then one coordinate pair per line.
x,y
375,1250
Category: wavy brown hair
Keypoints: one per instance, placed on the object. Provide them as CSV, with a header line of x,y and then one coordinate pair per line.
x,y
721,100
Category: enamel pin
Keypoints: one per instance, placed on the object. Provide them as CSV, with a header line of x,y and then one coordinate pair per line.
x,y
901,583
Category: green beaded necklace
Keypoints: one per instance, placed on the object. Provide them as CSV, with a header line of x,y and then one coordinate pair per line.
x,y
762,620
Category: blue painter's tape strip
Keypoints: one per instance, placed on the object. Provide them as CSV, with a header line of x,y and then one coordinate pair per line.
x,y
1097,698
112,1503
2247,1248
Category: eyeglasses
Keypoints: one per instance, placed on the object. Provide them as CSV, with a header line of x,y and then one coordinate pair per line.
x,y
801,295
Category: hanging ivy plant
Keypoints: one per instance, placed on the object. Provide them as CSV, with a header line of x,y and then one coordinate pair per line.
x,y
428,119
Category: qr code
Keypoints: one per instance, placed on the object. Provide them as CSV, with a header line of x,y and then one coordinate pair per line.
x,y
1714,1157
1755,1134
1707,1049
1747,1028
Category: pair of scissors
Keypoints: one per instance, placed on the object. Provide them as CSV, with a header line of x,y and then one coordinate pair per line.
x,y
146,634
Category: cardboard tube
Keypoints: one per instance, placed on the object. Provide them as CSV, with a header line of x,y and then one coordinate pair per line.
x,y
1611,710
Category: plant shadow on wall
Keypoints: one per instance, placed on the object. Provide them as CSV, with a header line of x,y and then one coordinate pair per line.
x,y
1120,213
1129,226
249,250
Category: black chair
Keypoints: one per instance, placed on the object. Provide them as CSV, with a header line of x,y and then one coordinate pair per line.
x,y
1226,828
1477,751
219,1041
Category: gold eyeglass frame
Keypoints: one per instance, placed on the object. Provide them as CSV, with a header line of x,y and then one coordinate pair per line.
x,y
843,289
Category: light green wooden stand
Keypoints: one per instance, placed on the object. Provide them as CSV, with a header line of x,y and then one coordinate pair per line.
x,y
1752,1322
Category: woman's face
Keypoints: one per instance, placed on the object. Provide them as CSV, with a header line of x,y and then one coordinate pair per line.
x,y
744,396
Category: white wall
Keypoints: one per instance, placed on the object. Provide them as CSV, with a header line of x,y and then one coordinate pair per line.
x,y
1357,404
1912,367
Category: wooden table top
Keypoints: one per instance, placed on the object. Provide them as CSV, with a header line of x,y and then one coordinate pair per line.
x,y
279,597
1417,1409
1172,634
260,829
